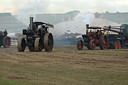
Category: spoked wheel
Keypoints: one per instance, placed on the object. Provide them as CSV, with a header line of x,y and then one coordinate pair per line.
x,y
21,44
48,42
38,44
104,44
6,42
80,45
92,44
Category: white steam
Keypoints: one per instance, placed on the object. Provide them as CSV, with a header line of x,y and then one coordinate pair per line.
x,y
78,25
85,18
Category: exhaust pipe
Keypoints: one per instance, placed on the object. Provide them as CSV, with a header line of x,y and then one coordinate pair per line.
x,y
31,23
87,26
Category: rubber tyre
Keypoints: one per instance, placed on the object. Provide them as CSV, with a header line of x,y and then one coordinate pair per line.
x,y
80,45
21,44
48,42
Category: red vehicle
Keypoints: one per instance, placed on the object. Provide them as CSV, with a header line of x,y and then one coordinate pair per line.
x,y
94,37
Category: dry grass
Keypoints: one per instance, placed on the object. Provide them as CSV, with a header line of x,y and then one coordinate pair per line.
x,y
65,66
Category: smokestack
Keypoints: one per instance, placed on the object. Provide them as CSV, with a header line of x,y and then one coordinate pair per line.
x,y
31,23
87,26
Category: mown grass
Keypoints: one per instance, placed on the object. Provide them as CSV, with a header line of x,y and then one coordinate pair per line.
x,y
11,82
64,76
65,67
88,77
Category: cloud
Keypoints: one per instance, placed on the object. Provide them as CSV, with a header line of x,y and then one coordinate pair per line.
x,y
57,6
90,5
33,7
26,8
30,8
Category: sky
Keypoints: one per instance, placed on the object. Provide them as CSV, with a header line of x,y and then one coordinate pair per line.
x,y
61,6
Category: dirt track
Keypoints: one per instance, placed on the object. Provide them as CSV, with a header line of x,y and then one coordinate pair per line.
x,y
14,63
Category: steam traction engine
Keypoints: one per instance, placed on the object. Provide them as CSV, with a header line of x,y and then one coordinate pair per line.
x,y
4,39
120,37
37,37
116,38
94,38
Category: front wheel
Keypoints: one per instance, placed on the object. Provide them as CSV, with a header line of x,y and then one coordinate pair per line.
x,y
48,42
38,45
21,44
80,45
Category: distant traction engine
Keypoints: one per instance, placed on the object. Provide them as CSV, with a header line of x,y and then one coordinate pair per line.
x,y
5,40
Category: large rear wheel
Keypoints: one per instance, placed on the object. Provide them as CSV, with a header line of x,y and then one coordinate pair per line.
x,y
48,42
80,45
21,44
6,42
38,45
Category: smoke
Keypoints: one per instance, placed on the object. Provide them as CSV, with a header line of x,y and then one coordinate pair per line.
x,y
74,27
77,25
30,8
86,18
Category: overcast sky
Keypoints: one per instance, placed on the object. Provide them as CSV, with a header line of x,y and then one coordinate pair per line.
x,y
62,6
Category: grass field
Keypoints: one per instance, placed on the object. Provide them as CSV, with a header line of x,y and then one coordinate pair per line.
x,y
65,66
